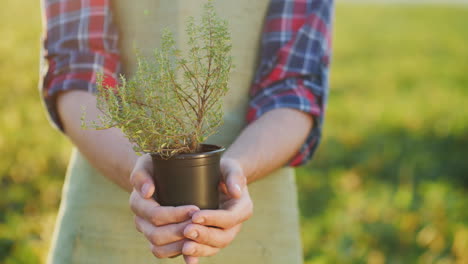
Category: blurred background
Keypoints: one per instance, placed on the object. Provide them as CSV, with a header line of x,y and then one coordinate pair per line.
x,y
389,183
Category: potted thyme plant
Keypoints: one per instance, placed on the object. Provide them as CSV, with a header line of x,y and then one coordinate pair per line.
x,y
171,105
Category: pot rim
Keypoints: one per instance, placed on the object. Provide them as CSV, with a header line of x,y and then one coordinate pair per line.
x,y
216,150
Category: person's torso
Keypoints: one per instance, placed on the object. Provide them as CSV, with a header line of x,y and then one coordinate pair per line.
x,y
95,223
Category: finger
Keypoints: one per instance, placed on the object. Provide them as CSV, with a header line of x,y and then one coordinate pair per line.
x,y
215,237
195,249
222,188
235,184
168,250
240,211
161,235
233,177
160,215
140,177
219,218
190,260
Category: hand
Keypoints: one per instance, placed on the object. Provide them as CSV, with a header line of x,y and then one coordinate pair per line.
x,y
213,230
163,226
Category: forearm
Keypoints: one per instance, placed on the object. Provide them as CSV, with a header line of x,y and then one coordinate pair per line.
x,y
107,150
270,142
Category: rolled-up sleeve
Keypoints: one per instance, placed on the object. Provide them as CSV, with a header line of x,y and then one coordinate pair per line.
x,y
80,41
294,65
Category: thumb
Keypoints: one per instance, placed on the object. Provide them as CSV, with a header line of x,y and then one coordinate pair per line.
x,y
141,179
234,177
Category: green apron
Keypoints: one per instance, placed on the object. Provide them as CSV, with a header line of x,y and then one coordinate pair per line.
x,y
95,224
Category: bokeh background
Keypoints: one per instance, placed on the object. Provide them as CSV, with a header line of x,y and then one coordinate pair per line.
x,y
388,185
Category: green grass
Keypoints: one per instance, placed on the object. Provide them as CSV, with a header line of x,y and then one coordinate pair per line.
x,y
33,155
388,184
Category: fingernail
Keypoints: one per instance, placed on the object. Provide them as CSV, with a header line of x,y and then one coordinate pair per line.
x,y
145,189
198,220
193,234
237,186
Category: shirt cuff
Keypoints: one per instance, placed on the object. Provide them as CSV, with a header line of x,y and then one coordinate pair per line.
x,y
298,93
76,71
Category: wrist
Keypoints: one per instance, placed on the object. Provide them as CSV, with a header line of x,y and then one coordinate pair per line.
x,y
127,167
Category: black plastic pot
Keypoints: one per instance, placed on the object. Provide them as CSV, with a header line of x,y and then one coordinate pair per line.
x,y
188,179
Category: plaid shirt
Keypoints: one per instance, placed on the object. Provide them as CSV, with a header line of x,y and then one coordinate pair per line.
x,y
82,40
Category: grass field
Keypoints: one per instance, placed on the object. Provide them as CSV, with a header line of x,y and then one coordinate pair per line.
x,y
388,185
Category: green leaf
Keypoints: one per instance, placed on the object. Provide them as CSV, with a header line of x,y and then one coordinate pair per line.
x,y
160,106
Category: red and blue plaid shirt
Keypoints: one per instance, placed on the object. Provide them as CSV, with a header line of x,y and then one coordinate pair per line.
x,y
81,40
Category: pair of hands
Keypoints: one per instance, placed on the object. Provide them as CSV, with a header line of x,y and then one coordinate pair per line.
x,y
187,230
